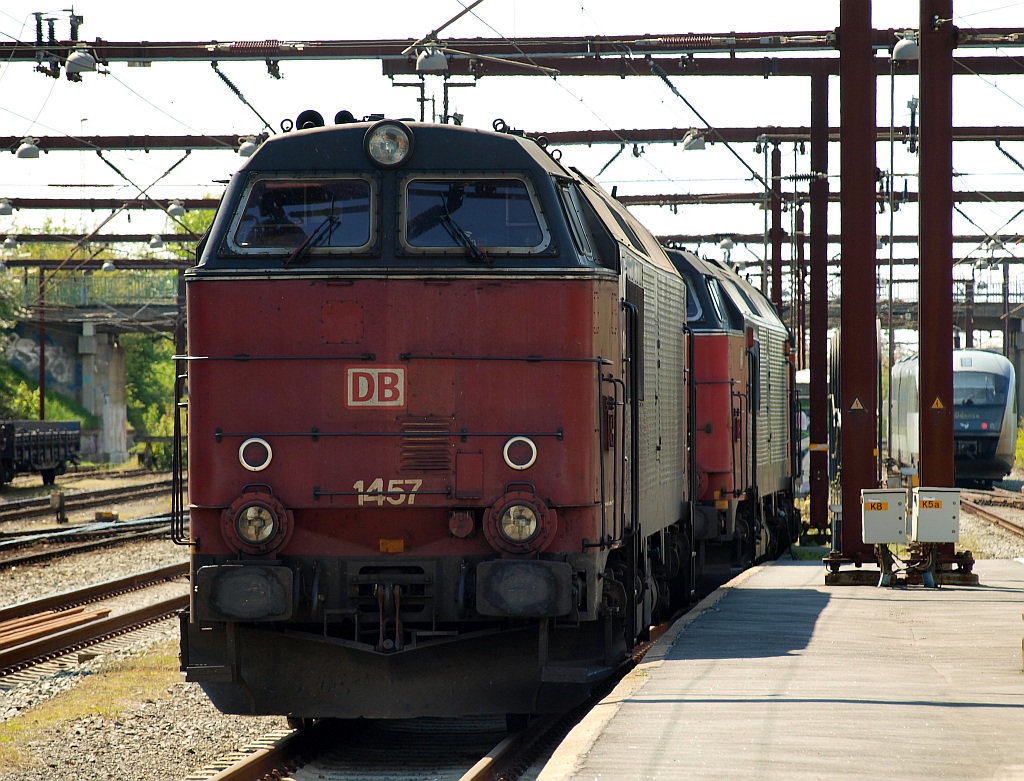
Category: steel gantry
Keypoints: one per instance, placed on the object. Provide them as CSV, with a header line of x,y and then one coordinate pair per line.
x,y
669,55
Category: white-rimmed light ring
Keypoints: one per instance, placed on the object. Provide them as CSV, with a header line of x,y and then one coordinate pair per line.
x,y
519,464
255,466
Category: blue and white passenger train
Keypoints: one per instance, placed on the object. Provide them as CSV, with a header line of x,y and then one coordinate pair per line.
x,y
984,416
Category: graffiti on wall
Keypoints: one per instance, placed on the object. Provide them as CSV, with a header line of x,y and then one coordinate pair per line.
x,y
22,352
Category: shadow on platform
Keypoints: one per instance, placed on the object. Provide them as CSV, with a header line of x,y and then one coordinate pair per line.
x,y
752,623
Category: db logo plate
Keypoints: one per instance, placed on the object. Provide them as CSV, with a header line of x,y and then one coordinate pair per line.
x,y
382,386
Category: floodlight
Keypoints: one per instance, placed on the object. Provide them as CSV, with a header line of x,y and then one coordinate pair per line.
x,y
906,48
80,61
693,140
108,265
156,243
246,145
28,149
6,207
431,60
176,209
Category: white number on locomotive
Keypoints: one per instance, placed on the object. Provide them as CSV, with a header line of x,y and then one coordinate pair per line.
x,y
398,491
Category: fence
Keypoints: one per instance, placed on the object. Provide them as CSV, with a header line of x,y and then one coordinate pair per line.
x,y
84,289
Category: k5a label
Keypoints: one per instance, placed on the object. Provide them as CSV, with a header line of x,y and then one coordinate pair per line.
x,y
378,386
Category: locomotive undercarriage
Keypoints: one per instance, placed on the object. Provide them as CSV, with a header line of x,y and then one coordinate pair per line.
x,y
367,631
745,531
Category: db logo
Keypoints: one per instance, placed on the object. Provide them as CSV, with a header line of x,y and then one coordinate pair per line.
x,y
378,387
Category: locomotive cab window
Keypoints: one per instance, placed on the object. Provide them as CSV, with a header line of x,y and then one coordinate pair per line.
x,y
471,216
592,241
279,215
694,312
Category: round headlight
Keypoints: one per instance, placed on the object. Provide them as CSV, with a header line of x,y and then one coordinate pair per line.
x,y
389,144
255,523
518,523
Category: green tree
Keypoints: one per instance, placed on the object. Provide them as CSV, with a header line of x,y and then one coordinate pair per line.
x,y
150,375
150,364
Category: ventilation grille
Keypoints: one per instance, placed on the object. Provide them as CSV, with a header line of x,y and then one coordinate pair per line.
x,y
426,446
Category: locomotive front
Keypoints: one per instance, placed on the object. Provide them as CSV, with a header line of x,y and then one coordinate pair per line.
x,y
404,360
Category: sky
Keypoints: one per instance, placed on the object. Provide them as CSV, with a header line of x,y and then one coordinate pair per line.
x,y
189,99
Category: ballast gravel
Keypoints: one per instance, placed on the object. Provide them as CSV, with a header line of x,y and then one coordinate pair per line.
x,y
177,734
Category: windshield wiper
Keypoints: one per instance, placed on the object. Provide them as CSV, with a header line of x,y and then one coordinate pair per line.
x,y
313,239
463,238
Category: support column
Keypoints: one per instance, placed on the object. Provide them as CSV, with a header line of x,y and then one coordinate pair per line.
x,y
776,229
800,304
859,341
935,325
818,479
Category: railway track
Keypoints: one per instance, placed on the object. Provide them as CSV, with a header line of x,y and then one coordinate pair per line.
x,y
25,509
469,749
995,519
996,497
49,544
36,631
32,480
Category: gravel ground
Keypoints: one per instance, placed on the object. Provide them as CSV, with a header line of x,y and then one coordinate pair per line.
x,y
178,732
21,584
163,737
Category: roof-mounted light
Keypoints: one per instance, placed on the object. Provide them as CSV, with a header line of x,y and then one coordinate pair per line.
x,y
247,145
80,61
28,149
389,143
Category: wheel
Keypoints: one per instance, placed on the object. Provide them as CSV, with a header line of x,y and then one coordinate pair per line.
x,y
49,476
299,722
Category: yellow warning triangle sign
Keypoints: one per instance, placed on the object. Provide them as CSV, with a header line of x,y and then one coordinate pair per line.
x,y
937,404
856,404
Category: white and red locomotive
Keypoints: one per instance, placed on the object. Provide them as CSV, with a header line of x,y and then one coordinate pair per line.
x,y
437,429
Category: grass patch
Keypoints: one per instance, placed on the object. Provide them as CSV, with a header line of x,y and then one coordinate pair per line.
x,y
106,693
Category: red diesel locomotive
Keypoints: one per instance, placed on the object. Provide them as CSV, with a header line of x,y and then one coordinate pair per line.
x,y
744,426
437,429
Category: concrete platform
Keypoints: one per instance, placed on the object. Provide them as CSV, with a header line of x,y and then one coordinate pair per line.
x,y
777,676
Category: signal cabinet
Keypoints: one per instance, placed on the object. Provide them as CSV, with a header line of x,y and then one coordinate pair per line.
x,y
883,516
935,515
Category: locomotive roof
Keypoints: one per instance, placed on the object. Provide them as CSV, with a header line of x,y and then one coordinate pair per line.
x,y
341,146
968,361
707,267
445,149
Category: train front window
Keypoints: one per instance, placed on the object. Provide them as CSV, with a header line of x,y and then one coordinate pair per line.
x,y
472,216
978,388
282,214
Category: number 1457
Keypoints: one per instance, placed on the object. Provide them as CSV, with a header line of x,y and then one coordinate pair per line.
x,y
398,491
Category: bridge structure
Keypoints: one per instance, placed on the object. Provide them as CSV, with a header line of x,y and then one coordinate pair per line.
x,y
68,335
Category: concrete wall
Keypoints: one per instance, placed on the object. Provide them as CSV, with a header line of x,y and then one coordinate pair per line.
x,y
88,367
